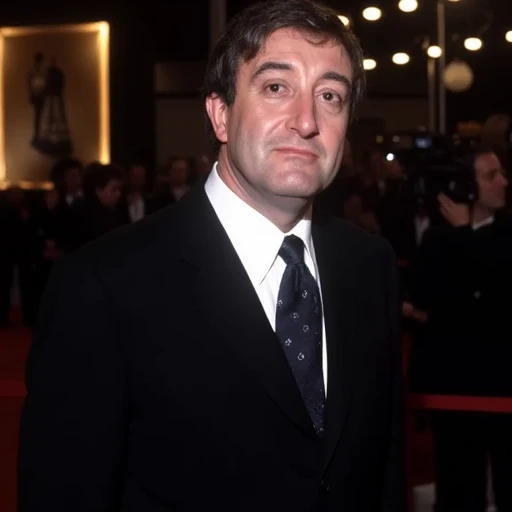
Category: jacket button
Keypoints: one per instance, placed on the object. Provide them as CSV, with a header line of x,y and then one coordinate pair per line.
x,y
324,486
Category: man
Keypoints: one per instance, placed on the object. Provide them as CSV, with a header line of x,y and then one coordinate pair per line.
x,y
463,278
252,362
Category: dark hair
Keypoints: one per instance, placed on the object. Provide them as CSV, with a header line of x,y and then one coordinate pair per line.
x,y
469,156
59,170
247,32
98,176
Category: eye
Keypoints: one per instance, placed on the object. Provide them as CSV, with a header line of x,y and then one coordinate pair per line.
x,y
274,88
332,101
331,97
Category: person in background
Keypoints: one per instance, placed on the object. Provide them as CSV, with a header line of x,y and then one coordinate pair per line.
x,y
174,183
135,203
102,190
459,293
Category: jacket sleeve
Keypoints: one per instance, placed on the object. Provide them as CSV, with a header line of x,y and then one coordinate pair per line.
x,y
73,420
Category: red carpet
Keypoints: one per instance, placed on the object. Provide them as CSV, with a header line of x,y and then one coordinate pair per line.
x,y
14,344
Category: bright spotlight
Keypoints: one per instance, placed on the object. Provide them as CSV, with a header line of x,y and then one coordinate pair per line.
x,y
408,5
473,44
401,58
372,14
508,36
344,20
434,52
369,64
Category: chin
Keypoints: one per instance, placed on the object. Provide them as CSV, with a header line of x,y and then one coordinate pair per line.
x,y
303,190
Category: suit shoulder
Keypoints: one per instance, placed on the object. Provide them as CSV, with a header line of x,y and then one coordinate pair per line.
x,y
356,239
130,245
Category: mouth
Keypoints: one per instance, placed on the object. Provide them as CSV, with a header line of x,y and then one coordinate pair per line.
x,y
297,152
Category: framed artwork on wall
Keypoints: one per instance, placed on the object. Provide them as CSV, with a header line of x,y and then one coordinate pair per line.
x,y
54,99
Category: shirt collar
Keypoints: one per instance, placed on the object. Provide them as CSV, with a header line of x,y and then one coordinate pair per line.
x,y
256,240
485,222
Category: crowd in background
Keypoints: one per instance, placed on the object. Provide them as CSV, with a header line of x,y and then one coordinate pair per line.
x,y
371,190
84,202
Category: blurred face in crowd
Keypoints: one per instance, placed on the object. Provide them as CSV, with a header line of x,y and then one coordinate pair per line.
x,y
284,134
138,177
73,180
109,195
348,159
377,164
203,165
491,182
394,169
353,208
179,173
51,199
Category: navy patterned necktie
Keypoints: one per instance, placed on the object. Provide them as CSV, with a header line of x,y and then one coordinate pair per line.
x,y
299,328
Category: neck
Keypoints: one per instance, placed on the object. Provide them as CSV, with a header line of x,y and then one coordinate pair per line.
x,y
481,213
283,212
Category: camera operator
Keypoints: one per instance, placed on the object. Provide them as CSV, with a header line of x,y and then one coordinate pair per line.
x,y
461,294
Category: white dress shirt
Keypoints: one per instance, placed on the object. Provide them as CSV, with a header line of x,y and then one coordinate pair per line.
x,y
257,241
136,208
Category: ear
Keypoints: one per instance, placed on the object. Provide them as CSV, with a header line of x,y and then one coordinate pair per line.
x,y
218,113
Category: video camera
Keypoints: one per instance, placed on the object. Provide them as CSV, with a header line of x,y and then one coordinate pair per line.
x,y
434,165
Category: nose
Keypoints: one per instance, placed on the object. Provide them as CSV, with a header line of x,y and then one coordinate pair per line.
x,y
303,117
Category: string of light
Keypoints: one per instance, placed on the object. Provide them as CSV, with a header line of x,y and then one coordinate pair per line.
x,y
374,14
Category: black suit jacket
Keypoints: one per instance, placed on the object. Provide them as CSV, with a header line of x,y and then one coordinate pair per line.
x,y
462,279
155,382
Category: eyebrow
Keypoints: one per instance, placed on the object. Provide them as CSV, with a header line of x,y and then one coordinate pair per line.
x,y
266,66
284,66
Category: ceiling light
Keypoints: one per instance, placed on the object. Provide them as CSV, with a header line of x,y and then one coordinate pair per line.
x,y
344,20
369,64
372,14
434,52
408,5
473,44
401,58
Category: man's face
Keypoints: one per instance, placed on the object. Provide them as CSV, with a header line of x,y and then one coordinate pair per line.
x,y
491,182
284,133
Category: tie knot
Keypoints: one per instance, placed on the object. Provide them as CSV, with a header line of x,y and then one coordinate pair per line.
x,y
292,250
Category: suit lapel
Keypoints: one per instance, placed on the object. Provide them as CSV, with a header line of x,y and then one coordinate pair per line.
x,y
224,295
338,281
